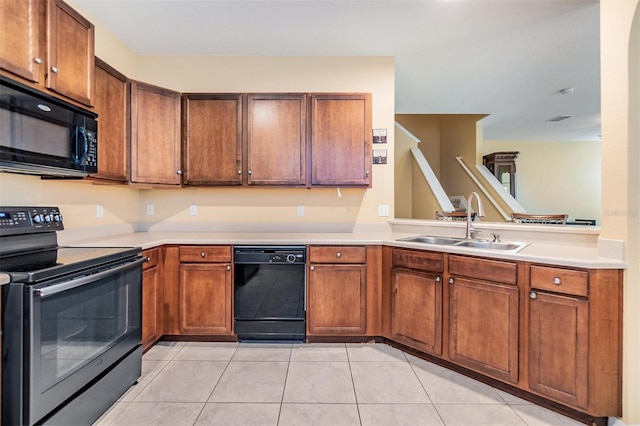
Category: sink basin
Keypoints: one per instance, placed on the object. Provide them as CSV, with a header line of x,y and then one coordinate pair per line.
x,y
463,242
432,240
489,245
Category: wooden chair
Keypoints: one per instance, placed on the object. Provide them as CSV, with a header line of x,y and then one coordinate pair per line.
x,y
458,216
548,219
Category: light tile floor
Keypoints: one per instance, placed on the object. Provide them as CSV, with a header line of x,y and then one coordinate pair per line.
x,y
310,384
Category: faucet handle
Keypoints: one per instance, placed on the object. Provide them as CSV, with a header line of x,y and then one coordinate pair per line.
x,y
495,238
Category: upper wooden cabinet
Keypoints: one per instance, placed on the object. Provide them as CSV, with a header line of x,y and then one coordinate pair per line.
x,y
255,139
59,58
112,106
22,47
276,139
213,139
155,135
341,139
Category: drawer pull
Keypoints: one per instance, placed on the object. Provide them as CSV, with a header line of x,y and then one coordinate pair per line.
x,y
202,254
338,254
557,281
148,259
533,295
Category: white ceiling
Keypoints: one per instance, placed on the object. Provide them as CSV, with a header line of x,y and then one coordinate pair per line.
x,y
506,58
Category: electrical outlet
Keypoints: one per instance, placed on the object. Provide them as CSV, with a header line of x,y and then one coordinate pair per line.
x,y
150,210
300,210
99,211
383,210
193,210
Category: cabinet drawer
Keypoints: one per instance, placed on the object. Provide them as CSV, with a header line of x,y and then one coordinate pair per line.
x,y
484,269
560,280
153,257
337,254
433,262
205,254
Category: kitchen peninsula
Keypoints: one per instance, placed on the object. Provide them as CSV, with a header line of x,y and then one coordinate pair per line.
x,y
446,304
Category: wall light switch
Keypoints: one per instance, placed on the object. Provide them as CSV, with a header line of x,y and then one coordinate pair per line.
x,y
149,209
383,210
300,210
99,211
193,210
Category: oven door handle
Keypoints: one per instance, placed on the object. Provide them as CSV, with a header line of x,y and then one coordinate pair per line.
x,y
58,288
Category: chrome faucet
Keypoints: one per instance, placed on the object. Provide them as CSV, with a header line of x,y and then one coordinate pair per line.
x,y
479,213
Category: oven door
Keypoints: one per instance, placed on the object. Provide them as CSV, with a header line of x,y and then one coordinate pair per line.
x,y
77,329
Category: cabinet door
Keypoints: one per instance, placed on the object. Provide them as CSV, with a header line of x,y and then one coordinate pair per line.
x,y
341,139
416,311
484,327
70,52
205,298
155,135
336,300
112,106
151,307
276,139
213,139
558,347
21,29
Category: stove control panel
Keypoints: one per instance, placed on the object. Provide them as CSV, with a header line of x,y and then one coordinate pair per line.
x,y
29,220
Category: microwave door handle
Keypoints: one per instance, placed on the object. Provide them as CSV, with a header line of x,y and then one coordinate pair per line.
x,y
55,289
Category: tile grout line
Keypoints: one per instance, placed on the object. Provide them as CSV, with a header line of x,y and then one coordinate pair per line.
x,y
216,385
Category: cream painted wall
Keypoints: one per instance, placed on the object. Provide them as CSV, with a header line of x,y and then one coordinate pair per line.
x,y
556,177
279,74
77,200
620,80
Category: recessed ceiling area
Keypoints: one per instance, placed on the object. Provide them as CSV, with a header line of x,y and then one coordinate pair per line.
x,y
508,59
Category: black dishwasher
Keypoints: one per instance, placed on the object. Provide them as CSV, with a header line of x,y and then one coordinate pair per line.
x,y
269,293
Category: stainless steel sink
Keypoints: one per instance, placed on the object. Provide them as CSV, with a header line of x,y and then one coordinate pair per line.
x,y
493,245
432,240
464,242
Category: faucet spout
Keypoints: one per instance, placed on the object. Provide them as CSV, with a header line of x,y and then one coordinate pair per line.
x,y
479,213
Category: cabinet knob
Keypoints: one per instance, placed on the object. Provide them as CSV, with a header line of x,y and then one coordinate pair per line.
x,y
557,281
533,295
451,280
249,172
239,172
438,279
148,259
202,254
312,267
179,172
54,70
37,60
228,267
338,254
366,173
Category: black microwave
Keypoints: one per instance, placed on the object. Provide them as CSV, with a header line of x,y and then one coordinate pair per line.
x,y
45,136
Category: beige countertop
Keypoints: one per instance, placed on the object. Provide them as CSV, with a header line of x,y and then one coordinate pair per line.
x,y
564,254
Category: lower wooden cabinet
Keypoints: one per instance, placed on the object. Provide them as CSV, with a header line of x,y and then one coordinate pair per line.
x,y
416,299
483,327
559,347
205,290
416,310
152,298
336,291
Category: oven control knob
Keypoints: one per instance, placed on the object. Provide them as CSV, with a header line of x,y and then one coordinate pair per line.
x,y
57,217
48,218
38,218
291,258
